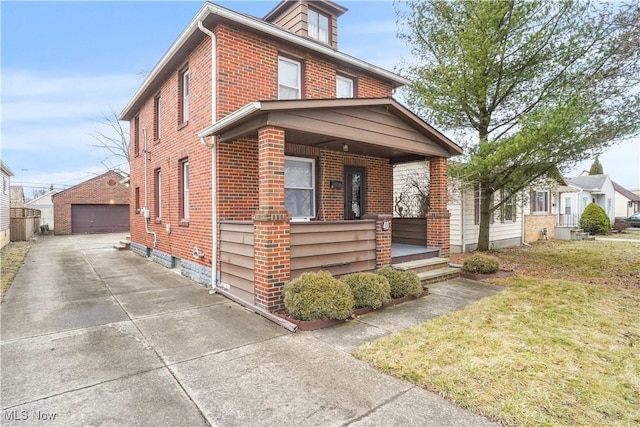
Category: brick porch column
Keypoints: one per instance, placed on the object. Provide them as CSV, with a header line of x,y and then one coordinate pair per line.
x,y
438,216
272,260
383,238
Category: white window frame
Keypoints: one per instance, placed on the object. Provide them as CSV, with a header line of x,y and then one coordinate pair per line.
x,y
508,202
567,206
344,79
313,26
312,188
298,65
185,189
5,185
546,202
184,81
158,193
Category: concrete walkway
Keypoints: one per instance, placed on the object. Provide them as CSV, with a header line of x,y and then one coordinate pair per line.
x,y
93,336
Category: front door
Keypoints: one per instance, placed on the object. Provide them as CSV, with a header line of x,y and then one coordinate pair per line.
x,y
354,191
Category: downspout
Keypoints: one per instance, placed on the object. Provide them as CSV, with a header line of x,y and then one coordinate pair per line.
x,y
145,210
215,279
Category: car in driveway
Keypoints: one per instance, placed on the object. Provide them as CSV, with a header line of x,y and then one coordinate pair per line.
x,y
634,220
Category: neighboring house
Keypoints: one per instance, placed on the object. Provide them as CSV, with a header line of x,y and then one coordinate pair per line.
x,y
627,203
521,219
98,205
45,204
596,189
291,168
5,221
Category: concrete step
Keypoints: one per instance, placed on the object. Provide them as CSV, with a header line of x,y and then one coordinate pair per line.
x,y
422,265
438,275
121,247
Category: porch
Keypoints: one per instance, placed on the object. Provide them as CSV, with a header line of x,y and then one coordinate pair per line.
x,y
340,247
317,190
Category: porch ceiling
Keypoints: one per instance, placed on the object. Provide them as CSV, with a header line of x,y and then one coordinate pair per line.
x,y
379,127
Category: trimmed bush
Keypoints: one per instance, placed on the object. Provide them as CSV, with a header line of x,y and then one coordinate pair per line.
x,y
594,220
402,283
481,263
319,295
368,289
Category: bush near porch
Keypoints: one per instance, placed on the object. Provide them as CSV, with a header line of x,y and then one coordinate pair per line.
x,y
558,347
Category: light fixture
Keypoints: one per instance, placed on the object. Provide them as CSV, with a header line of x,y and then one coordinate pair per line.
x,y
345,147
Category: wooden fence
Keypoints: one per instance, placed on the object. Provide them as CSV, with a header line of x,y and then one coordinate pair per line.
x,y
409,231
24,223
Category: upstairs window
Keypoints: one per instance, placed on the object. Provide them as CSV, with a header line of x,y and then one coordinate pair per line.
x,y
299,187
136,136
318,27
344,87
289,86
156,118
184,96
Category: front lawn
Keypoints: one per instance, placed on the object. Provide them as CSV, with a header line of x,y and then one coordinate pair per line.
x,y
560,346
11,258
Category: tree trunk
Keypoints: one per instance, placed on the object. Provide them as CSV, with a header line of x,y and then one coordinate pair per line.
x,y
486,195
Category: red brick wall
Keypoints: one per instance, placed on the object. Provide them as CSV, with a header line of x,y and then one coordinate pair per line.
x,y
246,72
177,142
101,190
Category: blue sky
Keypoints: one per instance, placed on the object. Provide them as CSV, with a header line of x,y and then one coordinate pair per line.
x,y
64,64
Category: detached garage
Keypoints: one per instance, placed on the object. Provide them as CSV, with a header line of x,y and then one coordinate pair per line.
x,y
99,205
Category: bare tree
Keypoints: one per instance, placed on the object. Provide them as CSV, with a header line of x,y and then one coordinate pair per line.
x,y
114,141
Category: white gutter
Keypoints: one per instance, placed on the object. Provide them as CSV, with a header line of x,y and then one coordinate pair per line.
x,y
231,118
215,279
145,210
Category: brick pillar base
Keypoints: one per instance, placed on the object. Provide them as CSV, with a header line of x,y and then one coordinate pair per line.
x,y
272,258
438,231
383,238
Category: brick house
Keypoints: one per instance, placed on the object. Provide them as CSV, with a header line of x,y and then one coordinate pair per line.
x,y
260,151
98,205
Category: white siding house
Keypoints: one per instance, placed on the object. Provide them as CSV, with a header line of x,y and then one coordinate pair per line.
x,y
5,213
45,204
524,219
596,189
627,203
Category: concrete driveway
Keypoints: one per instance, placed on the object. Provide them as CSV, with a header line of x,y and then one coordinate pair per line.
x,y
93,336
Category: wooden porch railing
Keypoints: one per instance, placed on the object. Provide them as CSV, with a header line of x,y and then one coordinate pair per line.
x,y
409,231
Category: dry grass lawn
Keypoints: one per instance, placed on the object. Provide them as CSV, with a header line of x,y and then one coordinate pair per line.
x,y
11,259
559,347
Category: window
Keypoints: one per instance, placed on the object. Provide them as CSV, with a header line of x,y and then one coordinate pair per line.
x,y
508,211
344,87
299,187
156,118
184,96
137,199
157,193
318,26
567,205
609,206
476,204
288,79
5,185
184,189
540,202
136,136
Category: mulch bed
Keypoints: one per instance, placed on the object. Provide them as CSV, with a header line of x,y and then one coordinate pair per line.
x,y
312,325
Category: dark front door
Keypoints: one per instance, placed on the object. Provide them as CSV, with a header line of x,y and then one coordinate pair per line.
x,y
354,191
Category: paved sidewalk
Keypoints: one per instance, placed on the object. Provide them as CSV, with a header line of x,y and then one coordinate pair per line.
x,y
94,336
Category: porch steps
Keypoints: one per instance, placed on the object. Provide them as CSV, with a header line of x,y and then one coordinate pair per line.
x,y
430,270
123,245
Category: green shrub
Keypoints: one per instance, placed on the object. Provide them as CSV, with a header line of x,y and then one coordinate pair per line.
x,y
318,296
594,220
368,289
481,263
402,283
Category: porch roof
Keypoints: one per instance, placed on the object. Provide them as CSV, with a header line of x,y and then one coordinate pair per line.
x,y
379,127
